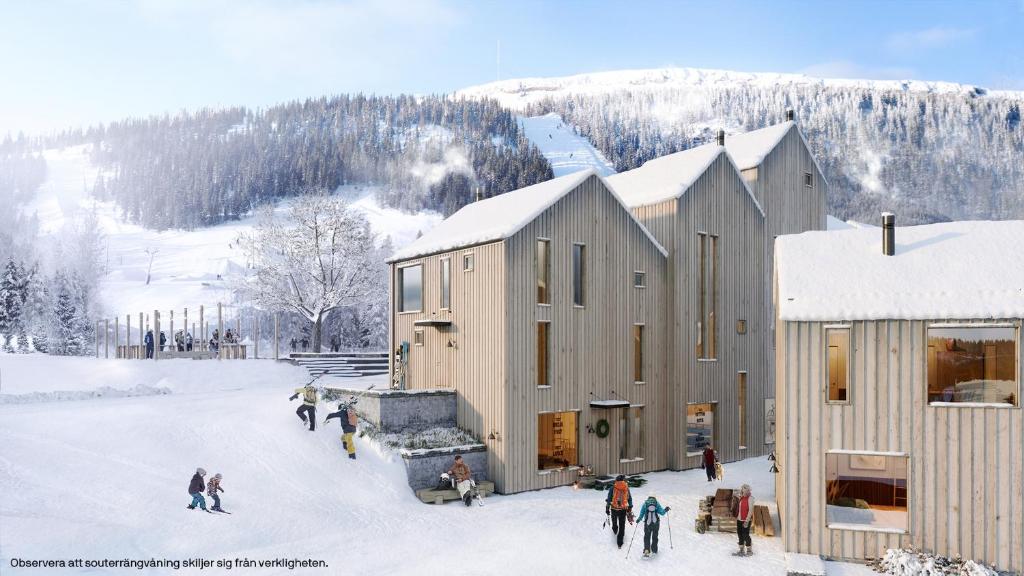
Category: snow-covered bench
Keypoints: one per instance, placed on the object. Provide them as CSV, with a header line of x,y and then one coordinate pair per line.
x,y
435,496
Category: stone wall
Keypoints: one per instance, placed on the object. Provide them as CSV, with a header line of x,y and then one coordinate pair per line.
x,y
424,467
401,410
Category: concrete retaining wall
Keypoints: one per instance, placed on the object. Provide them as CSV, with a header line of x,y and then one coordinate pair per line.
x,y
401,410
424,467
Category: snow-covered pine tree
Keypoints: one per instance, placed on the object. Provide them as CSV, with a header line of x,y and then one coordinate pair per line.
x,y
68,340
11,304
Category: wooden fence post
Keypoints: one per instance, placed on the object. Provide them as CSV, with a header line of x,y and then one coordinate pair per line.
x,y
156,334
220,330
142,339
128,335
277,335
96,339
256,340
202,328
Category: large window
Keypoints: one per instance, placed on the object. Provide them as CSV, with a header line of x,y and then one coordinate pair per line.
x,y
638,352
631,433
543,271
972,364
700,427
866,490
556,440
838,364
410,288
543,353
707,296
446,283
578,273
741,395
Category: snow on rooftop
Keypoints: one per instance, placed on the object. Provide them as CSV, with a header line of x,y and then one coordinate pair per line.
x,y
492,219
954,270
832,223
749,149
663,178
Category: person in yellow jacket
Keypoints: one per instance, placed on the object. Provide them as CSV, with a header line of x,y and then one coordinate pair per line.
x,y
308,407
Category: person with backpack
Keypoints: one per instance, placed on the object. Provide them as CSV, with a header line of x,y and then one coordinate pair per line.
x,y
195,490
743,511
212,487
650,515
708,460
163,340
619,505
308,404
346,414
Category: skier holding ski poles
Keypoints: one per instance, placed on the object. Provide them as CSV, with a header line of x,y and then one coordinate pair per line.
x,y
619,504
650,515
308,403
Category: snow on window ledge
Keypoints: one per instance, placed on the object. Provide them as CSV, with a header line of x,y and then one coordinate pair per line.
x,y
553,470
866,528
626,460
971,404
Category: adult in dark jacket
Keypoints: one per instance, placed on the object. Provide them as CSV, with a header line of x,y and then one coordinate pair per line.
x,y
650,516
708,460
346,414
163,340
195,490
149,343
619,505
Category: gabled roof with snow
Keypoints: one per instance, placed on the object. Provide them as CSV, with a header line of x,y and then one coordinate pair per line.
x,y
500,217
955,270
749,149
669,177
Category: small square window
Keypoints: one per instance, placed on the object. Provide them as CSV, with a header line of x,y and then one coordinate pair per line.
x,y
417,337
639,279
467,263
808,179
741,326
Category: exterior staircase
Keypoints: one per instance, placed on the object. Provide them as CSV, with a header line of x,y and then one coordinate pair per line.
x,y
342,364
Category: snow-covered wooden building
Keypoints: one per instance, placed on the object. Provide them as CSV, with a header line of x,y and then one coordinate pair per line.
x,y
898,389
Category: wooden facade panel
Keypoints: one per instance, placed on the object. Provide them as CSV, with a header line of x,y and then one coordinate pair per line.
x,y
964,476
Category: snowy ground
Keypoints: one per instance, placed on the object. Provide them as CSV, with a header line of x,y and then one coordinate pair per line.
x,y
565,150
107,477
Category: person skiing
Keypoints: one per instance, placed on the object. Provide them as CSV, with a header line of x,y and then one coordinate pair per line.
x,y
463,479
308,404
149,344
708,460
195,490
650,515
212,487
347,415
743,509
619,505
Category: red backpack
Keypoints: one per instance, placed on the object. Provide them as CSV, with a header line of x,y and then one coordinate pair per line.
x,y
620,495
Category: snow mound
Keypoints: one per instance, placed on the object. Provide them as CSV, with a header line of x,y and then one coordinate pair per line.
x,y
101,392
902,562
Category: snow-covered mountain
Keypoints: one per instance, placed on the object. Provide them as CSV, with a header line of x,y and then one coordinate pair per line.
x,y
929,150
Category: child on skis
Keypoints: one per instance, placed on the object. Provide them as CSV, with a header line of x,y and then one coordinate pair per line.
x,y
743,508
619,505
349,419
195,490
212,487
650,514
308,404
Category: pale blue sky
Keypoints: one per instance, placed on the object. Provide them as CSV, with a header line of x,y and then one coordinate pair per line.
x,y
72,63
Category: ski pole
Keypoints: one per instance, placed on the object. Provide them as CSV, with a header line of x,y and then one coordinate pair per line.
x,y
669,520
637,526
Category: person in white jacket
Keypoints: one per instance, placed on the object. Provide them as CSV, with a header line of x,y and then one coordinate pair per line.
x,y
743,508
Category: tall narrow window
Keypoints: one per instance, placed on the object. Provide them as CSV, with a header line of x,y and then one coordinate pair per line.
x,y
543,353
446,283
712,337
838,364
976,364
638,353
543,271
578,273
467,263
410,288
631,433
741,395
702,249
707,296
556,440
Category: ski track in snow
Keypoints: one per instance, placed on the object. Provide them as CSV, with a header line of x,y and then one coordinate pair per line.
x,y
107,478
564,149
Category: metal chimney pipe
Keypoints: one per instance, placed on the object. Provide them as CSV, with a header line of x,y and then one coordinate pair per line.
x,y
790,116
888,233
721,137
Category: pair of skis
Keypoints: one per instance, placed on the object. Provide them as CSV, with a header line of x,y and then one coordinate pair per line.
x,y
209,510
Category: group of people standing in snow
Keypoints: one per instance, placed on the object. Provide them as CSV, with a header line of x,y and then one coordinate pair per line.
x,y
346,414
197,486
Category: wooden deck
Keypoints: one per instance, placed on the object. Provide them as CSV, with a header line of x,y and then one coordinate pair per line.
x,y
434,496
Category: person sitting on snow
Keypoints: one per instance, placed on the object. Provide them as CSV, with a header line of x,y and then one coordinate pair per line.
x,y
650,514
195,490
348,417
212,487
463,479
619,505
308,404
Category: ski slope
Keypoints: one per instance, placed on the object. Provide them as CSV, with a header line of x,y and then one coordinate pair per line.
x,y
107,478
567,151
190,267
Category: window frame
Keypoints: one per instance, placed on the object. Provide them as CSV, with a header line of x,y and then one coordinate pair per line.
x,y
445,272
579,283
741,326
577,466
469,262
633,412
418,337
866,527
967,325
547,360
808,179
546,242
849,363
643,279
400,281
714,426
639,366
741,406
